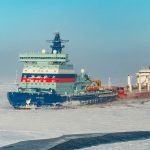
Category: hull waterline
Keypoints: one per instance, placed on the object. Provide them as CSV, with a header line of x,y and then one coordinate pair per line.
x,y
25,100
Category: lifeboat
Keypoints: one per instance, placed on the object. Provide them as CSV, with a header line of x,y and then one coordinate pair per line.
x,y
91,88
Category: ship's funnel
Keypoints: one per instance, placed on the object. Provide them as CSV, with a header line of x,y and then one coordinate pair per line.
x,y
129,83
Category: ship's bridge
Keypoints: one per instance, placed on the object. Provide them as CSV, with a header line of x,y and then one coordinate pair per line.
x,y
48,57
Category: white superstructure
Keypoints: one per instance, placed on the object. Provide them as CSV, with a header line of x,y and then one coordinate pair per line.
x,y
143,76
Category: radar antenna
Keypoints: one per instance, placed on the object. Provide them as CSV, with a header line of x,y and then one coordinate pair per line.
x,y
57,43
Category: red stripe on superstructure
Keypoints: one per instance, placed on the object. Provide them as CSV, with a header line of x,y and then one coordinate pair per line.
x,y
55,80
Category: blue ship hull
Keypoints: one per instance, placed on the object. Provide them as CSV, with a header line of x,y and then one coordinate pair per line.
x,y
22,100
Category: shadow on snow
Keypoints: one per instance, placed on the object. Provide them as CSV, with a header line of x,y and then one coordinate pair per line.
x,y
77,141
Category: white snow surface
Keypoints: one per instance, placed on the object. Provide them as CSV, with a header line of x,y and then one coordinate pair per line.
x,y
21,125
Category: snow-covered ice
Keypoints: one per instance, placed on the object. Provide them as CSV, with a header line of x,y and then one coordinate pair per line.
x,y
20,125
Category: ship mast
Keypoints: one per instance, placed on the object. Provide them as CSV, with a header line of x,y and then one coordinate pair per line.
x,y
57,43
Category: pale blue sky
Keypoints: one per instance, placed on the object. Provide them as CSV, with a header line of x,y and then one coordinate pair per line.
x,y
109,38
